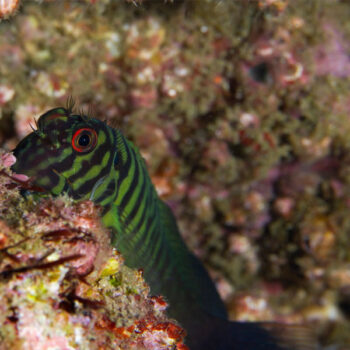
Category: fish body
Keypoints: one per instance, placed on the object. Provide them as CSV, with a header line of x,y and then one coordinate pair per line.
x,y
87,159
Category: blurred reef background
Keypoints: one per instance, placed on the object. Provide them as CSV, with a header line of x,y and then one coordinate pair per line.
x,y
241,110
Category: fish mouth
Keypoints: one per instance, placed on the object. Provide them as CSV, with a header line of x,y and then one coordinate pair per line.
x,y
25,182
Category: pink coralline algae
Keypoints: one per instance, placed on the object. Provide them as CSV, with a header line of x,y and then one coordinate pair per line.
x,y
332,57
6,94
8,8
63,286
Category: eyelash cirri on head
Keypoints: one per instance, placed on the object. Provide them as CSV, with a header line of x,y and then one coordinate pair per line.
x,y
67,153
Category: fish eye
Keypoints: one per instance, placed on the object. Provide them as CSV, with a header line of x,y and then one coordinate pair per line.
x,y
84,140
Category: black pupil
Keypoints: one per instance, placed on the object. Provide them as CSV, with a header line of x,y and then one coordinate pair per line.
x,y
84,140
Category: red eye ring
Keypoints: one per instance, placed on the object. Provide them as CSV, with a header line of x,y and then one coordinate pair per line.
x,y
84,140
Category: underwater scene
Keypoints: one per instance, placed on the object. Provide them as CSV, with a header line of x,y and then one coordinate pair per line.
x,y
238,112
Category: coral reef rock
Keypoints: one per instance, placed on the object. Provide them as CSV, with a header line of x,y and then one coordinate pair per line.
x,y
61,284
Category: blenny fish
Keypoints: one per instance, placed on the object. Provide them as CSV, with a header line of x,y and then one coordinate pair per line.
x,y
89,160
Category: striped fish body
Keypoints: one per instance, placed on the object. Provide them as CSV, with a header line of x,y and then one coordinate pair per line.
x,y
109,170
146,233
87,159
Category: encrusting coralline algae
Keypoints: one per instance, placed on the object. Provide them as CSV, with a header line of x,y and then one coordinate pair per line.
x,y
62,285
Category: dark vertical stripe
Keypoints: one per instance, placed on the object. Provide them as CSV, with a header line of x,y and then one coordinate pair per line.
x,y
108,193
139,200
132,186
125,167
